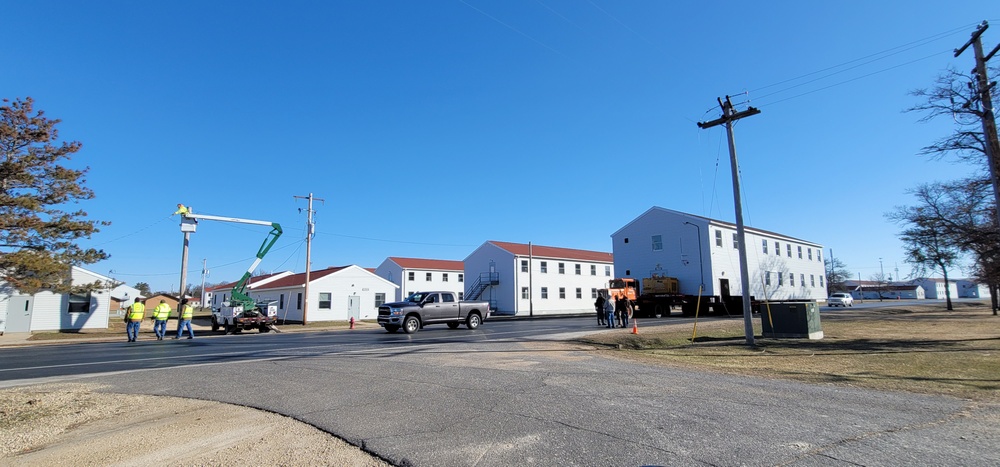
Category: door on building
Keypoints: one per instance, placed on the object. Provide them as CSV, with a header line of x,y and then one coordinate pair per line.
x,y
724,287
354,307
19,314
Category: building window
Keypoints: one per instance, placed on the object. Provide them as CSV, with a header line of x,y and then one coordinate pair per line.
x,y
819,255
379,299
281,302
777,249
764,244
298,301
79,303
545,292
791,279
562,268
657,242
607,271
767,278
578,269
579,293
788,247
324,300
428,277
593,269
524,265
821,281
562,292
593,293
809,253
736,241
444,277
461,296
800,252
409,276
781,279
718,237
461,277
524,293
544,266
802,279
812,280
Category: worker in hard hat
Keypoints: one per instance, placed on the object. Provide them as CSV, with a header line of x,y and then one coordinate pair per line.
x,y
181,209
160,315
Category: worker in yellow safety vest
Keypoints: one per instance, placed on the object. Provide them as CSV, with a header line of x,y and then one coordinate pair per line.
x,y
136,313
160,315
186,313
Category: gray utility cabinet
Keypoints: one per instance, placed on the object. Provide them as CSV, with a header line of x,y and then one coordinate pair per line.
x,y
791,319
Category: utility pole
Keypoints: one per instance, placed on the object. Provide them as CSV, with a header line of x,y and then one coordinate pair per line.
x,y
204,272
184,260
989,123
310,231
728,117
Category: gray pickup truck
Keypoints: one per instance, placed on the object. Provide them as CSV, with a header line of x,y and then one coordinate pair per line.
x,y
423,308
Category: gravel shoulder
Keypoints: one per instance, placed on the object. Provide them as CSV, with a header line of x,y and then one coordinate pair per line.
x,y
75,424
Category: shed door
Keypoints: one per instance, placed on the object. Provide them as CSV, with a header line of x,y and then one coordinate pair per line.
x,y
353,307
724,287
19,314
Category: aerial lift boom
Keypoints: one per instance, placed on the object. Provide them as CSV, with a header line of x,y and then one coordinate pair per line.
x,y
238,297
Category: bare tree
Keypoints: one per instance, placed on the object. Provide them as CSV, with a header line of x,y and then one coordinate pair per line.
x,y
836,275
954,96
927,245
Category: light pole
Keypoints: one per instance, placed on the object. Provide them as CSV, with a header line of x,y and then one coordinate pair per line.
x,y
701,266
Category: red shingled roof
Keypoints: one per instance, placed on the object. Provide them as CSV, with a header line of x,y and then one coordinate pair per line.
x,y
419,263
300,278
521,249
252,280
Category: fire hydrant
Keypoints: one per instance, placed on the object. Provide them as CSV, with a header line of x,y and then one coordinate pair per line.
x,y
352,322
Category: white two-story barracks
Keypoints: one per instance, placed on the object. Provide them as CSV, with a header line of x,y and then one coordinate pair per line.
x,y
533,280
418,275
698,250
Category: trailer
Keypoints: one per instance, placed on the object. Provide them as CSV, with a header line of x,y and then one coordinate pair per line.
x,y
659,296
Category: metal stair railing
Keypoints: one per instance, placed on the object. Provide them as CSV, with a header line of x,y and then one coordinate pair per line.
x,y
485,280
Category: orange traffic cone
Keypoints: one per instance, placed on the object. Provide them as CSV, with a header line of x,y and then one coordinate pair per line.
x,y
635,327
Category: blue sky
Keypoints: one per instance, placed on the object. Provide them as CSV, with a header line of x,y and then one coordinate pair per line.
x,y
430,127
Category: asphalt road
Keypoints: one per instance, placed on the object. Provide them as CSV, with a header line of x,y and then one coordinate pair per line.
x,y
511,393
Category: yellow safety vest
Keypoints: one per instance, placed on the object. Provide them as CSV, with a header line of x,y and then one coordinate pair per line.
x,y
161,312
187,313
137,312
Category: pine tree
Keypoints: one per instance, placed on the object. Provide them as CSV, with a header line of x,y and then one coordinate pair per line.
x,y
38,232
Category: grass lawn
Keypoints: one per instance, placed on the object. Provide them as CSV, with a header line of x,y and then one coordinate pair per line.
x,y
917,348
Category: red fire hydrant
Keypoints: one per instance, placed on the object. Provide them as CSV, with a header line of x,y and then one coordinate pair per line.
x,y
352,322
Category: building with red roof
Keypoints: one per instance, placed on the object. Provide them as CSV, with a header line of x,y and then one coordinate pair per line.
x,y
419,274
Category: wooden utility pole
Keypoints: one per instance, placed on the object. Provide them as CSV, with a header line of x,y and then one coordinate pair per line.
x,y
310,231
728,117
204,272
989,124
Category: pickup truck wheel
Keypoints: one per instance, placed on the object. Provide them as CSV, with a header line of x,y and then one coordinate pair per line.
x,y
215,325
453,325
411,324
473,321
391,329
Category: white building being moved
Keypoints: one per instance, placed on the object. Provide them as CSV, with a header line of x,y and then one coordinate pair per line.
x,y
701,251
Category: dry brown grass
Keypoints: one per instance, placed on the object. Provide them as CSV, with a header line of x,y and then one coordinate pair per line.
x,y
919,348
